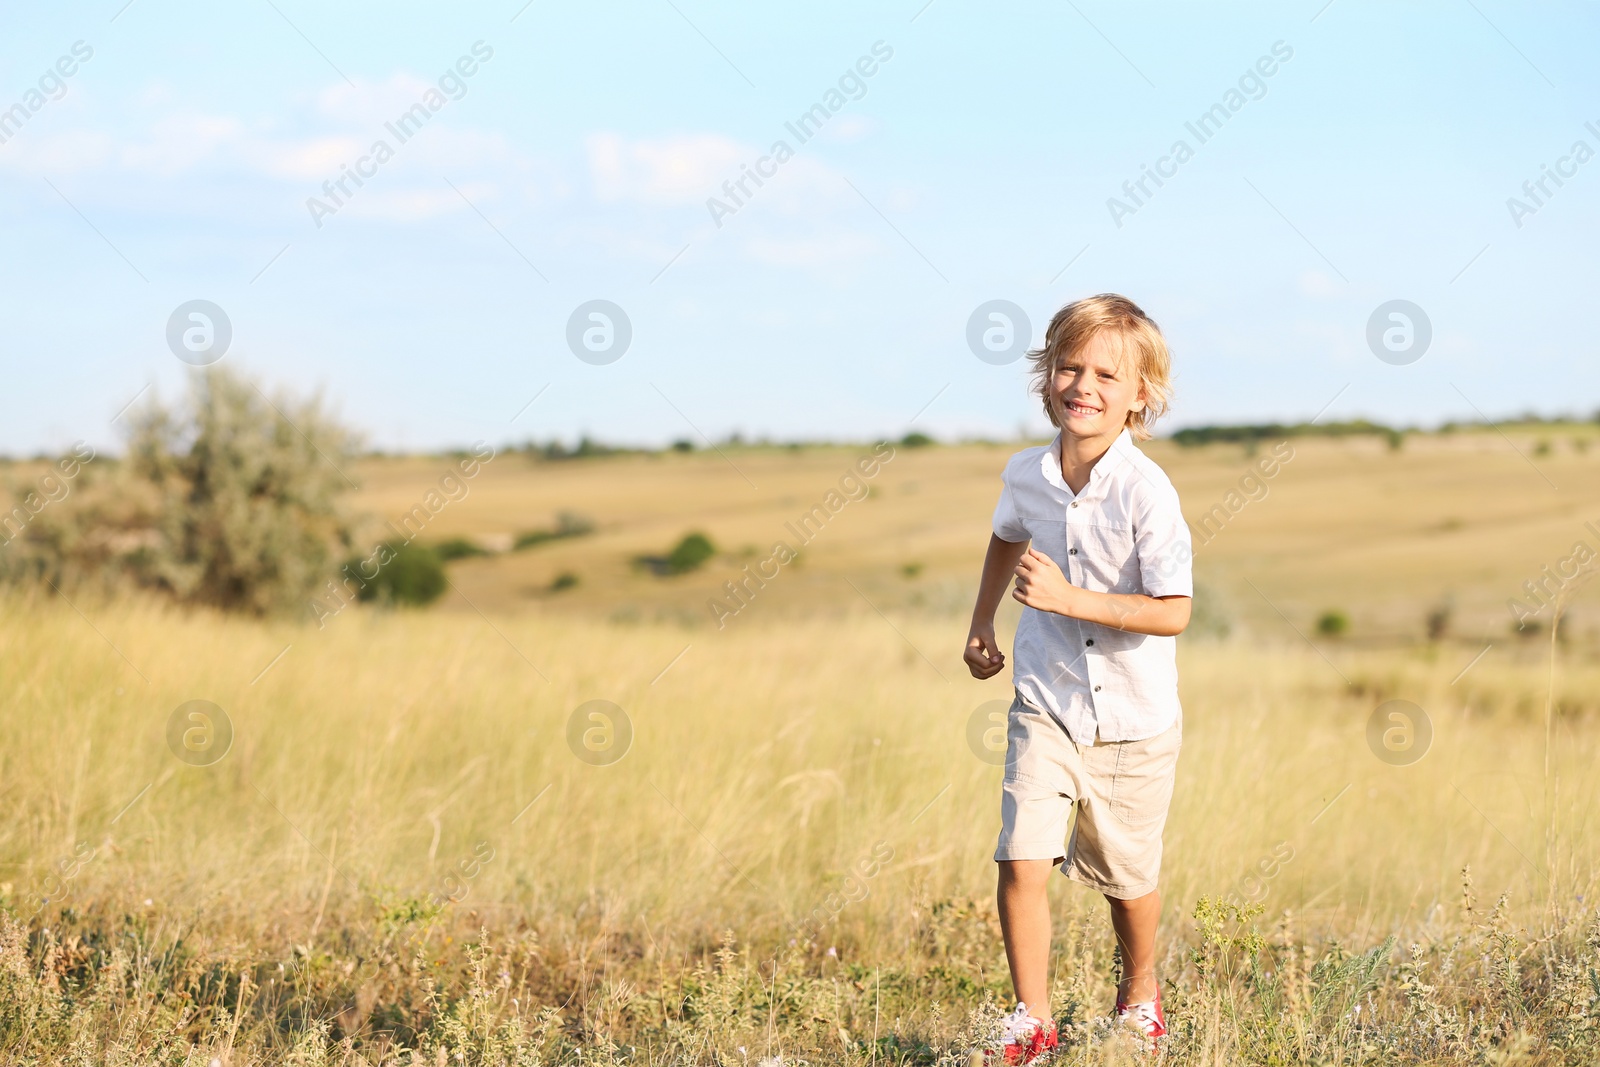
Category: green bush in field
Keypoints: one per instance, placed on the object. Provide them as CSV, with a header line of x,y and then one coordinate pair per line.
x,y
458,548
1333,623
413,576
568,524
690,553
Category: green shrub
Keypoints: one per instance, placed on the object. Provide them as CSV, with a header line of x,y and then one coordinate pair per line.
x,y
917,439
530,539
690,553
1437,622
413,576
458,548
564,580
1333,623
568,524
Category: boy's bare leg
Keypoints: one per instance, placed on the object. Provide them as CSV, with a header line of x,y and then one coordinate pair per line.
x,y
1135,922
1025,924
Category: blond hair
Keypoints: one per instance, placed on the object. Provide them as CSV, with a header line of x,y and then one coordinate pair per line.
x,y
1072,328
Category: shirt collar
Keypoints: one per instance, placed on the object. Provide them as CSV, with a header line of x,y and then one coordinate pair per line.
x,y
1114,458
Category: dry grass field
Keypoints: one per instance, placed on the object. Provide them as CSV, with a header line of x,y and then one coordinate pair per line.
x,y
776,848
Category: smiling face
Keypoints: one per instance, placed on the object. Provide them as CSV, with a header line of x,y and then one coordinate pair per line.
x,y
1093,389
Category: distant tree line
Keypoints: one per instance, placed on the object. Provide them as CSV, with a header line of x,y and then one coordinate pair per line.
x,y
1250,433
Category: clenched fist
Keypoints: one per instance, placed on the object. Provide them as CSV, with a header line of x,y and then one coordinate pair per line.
x,y
983,656
1041,585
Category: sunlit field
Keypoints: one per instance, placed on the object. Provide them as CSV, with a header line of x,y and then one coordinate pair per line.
x,y
416,848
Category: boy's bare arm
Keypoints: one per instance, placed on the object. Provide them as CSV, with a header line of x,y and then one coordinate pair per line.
x,y
1041,585
983,656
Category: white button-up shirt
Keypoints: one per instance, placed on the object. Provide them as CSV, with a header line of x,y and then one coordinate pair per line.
x,y
1124,533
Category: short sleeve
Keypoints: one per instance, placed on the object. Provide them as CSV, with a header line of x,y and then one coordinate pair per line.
x,y
1007,523
1161,538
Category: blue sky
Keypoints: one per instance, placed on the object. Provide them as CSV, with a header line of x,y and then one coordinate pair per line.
x,y
1374,164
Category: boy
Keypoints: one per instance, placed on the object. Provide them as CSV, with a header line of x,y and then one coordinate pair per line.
x,y
1092,533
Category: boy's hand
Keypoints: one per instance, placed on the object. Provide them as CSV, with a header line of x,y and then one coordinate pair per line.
x,y
1041,585
983,656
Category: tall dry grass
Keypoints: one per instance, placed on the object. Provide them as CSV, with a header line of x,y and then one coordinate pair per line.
x,y
401,860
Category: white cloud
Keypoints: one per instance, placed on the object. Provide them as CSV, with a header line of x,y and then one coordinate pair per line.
x,y
692,168
1315,283
761,225
62,153
311,159
407,205
158,136
805,185
182,142
668,170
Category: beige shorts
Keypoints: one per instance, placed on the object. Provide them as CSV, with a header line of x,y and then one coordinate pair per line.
x,y
1120,791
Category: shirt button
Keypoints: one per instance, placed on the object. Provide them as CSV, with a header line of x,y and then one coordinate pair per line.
x,y
1072,552
1097,689
1090,641
1074,503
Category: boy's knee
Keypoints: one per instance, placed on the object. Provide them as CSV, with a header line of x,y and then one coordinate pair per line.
x,y
1029,874
1134,905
